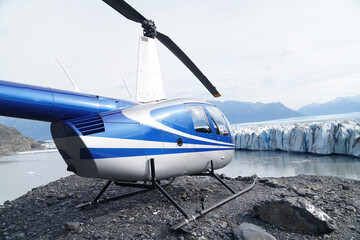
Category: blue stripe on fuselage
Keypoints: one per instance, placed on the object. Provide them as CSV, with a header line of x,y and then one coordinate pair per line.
x,y
98,153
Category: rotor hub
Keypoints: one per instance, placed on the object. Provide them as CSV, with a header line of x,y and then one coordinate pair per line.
x,y
149,28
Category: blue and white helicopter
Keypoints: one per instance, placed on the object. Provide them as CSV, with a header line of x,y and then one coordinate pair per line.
x,y
128,141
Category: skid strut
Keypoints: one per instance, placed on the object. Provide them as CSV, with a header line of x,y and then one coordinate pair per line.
x,y
180,224
155,184
145,188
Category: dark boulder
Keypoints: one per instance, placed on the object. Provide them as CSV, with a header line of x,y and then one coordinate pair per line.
x,y
296,215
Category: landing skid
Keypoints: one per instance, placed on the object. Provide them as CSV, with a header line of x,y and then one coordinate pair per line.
x,y
145,188
182,224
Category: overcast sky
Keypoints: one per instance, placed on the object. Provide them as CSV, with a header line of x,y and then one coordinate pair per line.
x,y
294,51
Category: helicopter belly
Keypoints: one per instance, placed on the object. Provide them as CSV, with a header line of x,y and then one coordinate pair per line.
x,y
167,165
138,168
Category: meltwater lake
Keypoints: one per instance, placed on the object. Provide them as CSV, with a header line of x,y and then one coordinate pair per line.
x,y
21,172
285,164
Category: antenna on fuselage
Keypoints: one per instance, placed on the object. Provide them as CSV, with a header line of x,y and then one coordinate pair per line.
x,y
127,88
76,89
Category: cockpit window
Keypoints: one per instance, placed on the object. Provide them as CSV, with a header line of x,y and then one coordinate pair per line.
x,y
199,119
218,120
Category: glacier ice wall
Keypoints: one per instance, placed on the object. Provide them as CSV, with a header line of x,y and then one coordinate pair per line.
x,y
340,137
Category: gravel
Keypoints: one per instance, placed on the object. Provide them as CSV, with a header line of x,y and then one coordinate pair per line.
x,y
49,212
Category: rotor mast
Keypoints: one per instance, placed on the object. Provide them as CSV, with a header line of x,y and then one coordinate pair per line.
x,y
150,31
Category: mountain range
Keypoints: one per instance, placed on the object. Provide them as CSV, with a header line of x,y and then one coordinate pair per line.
x,y
336,106
241,112
36,130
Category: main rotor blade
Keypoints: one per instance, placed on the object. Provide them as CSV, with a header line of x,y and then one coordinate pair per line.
x,y
126,10
188,63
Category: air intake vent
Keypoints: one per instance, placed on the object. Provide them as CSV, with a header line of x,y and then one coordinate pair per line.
x,y
88,125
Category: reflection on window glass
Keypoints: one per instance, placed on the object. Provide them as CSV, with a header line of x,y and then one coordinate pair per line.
x,y
174,116
218,121
199,119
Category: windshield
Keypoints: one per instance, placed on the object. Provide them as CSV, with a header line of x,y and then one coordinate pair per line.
x,y
219,121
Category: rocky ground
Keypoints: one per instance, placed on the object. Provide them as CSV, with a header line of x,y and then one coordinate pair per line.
x,y
49,212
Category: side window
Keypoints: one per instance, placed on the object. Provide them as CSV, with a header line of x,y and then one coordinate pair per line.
x,y
174,116
199,119
218,120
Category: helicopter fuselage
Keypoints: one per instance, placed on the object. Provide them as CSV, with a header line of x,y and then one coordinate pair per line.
x,y
115,139
181,136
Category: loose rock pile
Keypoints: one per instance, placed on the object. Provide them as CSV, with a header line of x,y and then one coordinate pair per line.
x,y
48,212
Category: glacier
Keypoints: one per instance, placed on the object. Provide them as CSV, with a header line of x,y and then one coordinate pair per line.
x,y
332,137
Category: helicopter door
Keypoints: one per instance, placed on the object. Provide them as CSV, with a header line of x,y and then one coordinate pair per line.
x,y
201,126
205,144
222,134
175,136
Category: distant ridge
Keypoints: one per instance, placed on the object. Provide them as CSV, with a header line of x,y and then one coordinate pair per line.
x,y
12,141
36,130
241,112
336,106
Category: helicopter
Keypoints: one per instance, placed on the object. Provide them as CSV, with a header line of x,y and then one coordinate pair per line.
x,y
127,142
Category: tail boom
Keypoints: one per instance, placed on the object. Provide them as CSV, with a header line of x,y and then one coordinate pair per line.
x,y
50,105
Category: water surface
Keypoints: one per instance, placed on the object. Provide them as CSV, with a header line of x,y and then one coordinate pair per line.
x,y
285,164
21,172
